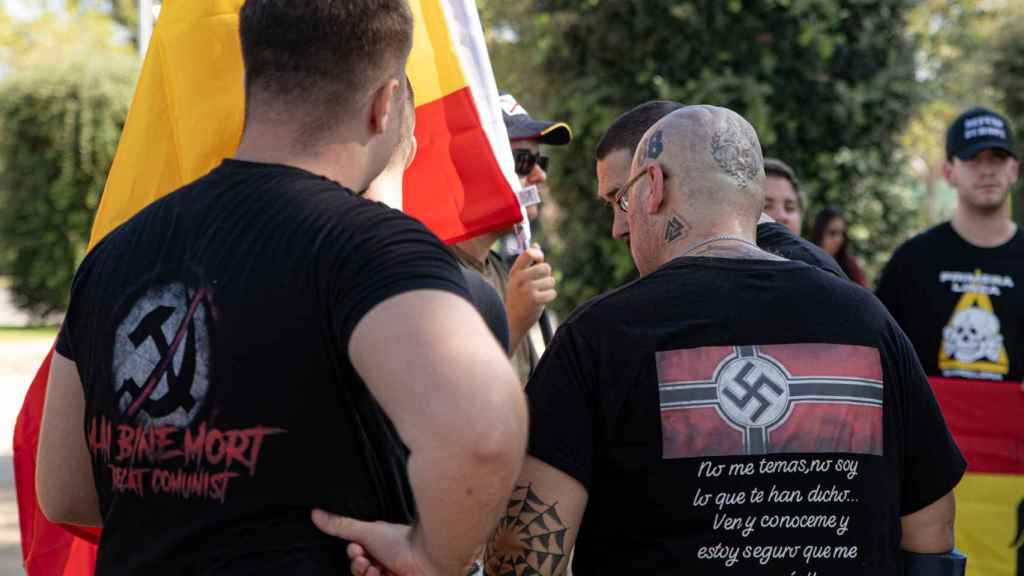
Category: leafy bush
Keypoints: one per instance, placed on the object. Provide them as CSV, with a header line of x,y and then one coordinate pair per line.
x,y
828,84
60,121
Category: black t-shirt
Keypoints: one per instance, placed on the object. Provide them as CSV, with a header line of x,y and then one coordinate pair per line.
x,y
958,303
720,412
778,239
211,334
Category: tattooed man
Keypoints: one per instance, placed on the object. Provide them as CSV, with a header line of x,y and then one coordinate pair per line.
x,y
690,422
615,152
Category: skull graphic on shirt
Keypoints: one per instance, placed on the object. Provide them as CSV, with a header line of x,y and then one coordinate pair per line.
x,y
973,334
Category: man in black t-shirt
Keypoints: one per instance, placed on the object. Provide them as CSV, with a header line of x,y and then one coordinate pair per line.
x,y
263,342
615,153
953,288
703,419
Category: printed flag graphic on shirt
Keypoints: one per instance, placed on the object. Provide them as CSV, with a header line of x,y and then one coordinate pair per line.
x,y
187,115
985,418
788,398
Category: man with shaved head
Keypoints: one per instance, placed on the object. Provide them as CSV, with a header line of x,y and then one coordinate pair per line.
x,y
691,422
615,154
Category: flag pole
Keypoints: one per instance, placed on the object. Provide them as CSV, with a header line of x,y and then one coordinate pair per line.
x,y
145,26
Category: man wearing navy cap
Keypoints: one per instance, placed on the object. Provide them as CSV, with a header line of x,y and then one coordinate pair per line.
x,y
958,288
528,285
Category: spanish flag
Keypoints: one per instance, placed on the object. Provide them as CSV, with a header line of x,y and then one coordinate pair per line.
x,y
187,115
986,420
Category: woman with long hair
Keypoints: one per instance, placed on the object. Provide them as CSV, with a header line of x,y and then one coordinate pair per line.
x,y
830,234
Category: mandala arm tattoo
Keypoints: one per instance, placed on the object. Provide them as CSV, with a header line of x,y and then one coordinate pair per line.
x,y
530,538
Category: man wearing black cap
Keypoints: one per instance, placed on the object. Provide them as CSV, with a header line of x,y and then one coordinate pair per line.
x,y
957,288
528,285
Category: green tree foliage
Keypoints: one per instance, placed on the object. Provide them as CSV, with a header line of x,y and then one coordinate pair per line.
x,y
828,84
1007,78
954,67
1008,69
124,12
60,120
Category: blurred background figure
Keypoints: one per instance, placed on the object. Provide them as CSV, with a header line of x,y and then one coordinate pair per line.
x,y
829,233
783,199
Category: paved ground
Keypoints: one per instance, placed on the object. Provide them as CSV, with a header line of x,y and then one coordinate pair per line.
x,y
19,360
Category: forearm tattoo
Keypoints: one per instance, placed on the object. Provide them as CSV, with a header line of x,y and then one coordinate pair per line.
x,y
676,229
734,148
529,539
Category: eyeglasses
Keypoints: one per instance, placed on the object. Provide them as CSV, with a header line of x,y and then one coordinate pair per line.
x,y
526,160
622,195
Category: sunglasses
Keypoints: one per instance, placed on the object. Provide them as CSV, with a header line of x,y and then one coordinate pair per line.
x,y
526,160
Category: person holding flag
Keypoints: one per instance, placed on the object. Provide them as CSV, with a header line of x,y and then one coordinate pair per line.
x,y
528,285
218,374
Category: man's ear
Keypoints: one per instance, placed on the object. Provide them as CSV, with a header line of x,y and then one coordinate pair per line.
x,y
381,106
1016,168
413,147
947,170
657,195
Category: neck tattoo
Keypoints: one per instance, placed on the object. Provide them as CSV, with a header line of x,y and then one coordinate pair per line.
x,y
723,238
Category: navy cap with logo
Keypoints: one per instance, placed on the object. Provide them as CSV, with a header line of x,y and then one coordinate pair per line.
x,y
521,126
978,129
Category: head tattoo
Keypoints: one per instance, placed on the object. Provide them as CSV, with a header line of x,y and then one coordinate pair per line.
x,y
656,145
733,148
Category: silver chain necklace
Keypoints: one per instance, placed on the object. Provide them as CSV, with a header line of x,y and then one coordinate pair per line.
x,y
716,239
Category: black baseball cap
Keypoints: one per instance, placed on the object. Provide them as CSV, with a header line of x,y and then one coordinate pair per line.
x,y
978,129
521,126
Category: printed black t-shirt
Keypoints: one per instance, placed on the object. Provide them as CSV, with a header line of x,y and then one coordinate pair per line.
x,y
740,417
211,334
959,304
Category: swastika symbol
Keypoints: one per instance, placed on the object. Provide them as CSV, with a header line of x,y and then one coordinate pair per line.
x,y
752,391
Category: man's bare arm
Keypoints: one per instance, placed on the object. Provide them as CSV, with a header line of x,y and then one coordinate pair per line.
x,y
64,481
540,524
430,361
930,529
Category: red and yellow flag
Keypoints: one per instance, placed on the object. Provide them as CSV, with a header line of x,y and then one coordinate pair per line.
x,y
455,190
187,115
986,421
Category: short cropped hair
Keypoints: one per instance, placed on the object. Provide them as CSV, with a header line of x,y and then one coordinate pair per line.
x,y
773,167
320,57
627,130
